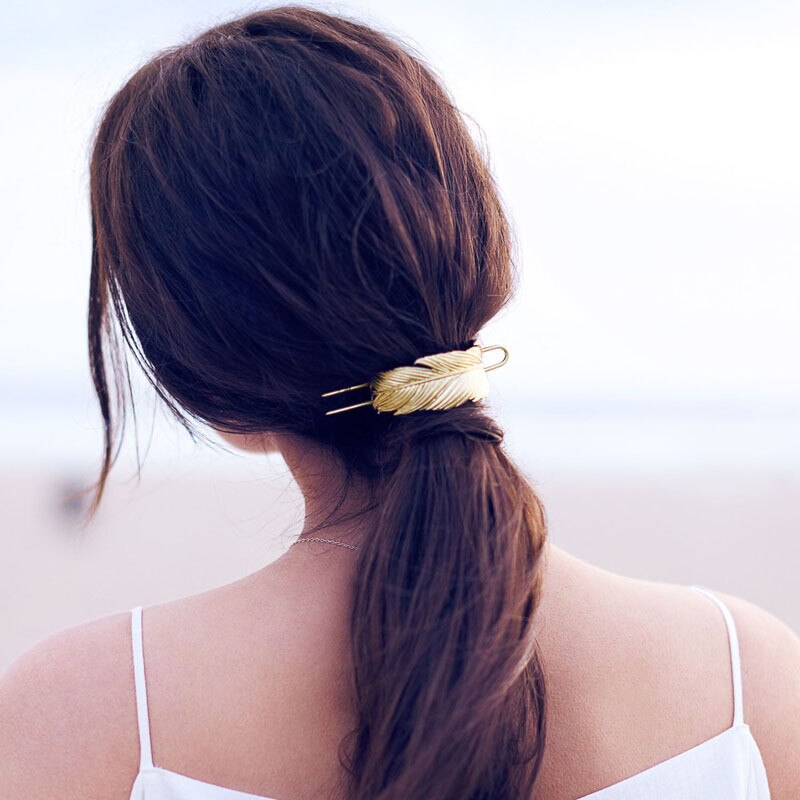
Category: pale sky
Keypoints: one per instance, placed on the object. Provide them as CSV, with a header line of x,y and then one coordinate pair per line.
x,y
647,154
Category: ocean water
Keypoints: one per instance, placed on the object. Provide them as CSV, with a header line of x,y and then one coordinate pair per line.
x,y
561,432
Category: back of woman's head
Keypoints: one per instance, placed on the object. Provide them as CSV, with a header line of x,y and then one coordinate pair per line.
x,y
289,204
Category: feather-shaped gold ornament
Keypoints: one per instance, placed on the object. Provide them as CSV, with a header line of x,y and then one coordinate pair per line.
x,y
435,382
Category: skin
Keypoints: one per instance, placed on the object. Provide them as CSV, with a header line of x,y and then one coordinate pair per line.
x,y
247,683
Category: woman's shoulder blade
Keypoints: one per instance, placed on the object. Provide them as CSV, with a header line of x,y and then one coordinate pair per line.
x,y
67,705
770,655
640,671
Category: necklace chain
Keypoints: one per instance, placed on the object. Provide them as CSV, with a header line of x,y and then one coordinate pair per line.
x,y
319,539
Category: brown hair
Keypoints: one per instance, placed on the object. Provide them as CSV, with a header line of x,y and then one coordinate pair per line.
x,y
288,204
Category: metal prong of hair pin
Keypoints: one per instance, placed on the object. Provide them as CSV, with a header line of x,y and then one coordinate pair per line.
x,y
342,391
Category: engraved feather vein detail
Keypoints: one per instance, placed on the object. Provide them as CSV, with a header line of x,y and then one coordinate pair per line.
x,y
436,382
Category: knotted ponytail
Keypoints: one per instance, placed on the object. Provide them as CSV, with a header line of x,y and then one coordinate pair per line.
x,y
449,688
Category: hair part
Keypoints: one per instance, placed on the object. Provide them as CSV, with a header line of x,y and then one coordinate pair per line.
x,y
289,203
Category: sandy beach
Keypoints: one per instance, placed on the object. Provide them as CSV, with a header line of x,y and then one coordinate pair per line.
x,y
179,532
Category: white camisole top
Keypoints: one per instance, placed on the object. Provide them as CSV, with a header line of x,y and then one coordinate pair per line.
x,y
726,767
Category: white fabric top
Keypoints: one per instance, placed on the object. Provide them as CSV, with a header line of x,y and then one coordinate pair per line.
x,y
726,767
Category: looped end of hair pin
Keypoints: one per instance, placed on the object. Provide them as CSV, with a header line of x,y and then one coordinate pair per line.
x,y
499,363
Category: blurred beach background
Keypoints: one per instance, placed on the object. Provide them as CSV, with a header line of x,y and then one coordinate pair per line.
x,y
647,156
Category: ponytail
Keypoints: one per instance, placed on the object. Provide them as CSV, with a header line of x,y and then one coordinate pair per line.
x,y
449,690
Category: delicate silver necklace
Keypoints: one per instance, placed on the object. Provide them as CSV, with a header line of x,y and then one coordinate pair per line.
x,y
327,541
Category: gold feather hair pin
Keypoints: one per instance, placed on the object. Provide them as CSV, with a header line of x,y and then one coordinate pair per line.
x,y
435,382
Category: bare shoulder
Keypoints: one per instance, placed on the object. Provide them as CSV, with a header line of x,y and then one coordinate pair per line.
x,y
770,655
236,677
274,645
639,671
66,706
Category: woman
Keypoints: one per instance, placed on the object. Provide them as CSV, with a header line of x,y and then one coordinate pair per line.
x,y
301,244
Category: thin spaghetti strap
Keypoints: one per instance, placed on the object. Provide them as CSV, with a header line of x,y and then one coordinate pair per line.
x,y
145,750
736,664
